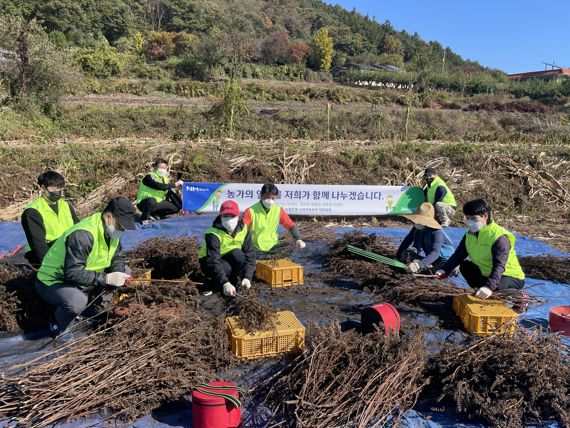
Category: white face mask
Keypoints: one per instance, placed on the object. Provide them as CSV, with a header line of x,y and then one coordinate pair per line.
x,y
230,223
419,226
473,226
114,233
162,172
268,203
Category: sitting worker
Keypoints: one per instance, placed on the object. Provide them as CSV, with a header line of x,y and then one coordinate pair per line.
x,y
438,194
156,197
493,263
227,253
428,237
46,217
263,219
83,261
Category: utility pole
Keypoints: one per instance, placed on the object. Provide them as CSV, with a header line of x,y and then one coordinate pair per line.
x,y
443,62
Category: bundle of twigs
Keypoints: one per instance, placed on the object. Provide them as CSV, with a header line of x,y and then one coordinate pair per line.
x,y
254,313
107,190
346,379
509,381
547,267
124,370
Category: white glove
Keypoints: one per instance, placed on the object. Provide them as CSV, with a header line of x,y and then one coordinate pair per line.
x,y
301,244
441,274
246,283
229,289
413,267
179,183
116,279
484,293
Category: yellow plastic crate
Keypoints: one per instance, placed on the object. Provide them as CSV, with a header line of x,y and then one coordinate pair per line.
x,y
279,273
488,317
288,334
460,301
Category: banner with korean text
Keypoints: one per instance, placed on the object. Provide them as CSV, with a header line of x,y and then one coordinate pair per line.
x,y
307,199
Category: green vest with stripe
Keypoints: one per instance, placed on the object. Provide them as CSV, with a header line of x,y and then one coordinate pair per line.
x,y
448,199
55,224
479,250
264,226
99,259
227,242
146,192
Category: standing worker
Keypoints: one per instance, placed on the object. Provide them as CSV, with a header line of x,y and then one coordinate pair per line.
x,y
156,197
438,194
428,237
46,217
493,263
263,219
227,253
84,260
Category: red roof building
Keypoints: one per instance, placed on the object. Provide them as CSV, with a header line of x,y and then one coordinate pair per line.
x,y
557,73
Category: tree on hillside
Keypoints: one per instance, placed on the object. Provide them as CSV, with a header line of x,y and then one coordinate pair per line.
x,y
392,45
322,50
275,48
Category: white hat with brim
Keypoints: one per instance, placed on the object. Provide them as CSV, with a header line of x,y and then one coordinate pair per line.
x,y
424,215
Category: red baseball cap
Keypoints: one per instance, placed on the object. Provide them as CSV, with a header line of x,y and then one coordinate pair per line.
x,y
229,207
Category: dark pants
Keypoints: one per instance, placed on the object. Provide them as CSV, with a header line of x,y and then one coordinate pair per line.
x,y
476,279
149,207
233,264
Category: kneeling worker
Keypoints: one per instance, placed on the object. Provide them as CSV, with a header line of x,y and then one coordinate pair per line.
x,y
47,217
227,253
263,219
156,197
427,236
84,260
493,263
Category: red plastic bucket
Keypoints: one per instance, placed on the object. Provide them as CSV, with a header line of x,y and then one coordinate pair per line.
x,y
210,410
383,313
559,320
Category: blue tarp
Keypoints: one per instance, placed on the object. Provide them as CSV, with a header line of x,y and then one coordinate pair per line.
x,y
550,292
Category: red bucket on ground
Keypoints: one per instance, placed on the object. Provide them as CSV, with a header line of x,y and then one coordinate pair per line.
x,y
383,313
216,405
559,320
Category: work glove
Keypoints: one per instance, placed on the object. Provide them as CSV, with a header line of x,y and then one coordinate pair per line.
x,y
301,244
413,267
441,274
484,293
179,183
229,289
117,279
246,283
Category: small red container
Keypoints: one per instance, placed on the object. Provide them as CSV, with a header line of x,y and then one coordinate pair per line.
x,y
383,312
210,411
559,320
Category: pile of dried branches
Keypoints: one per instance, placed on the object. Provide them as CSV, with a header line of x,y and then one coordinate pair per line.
x,y
341,261
547,267
509,381
123,371
254,313
174,295
169,258
346,379
105,192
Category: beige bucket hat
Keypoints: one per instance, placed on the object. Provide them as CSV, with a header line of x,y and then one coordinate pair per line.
x,y
424,215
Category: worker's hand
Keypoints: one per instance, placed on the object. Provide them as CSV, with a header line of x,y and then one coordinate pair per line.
x,y
179,183
441,274
246,283
484,293
413,267
300,244
117,279
229,289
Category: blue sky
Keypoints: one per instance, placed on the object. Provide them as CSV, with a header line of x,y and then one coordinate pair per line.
x,y
511,35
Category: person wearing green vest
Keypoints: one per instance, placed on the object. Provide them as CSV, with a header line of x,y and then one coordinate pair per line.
x,y
156,197
440,196
46,217
227,253
263,219
83,261
493,263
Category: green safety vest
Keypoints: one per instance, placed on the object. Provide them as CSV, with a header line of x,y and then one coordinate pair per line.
x,y
264,226
55,224
448,199
99,259
146,192
227,242
479,250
